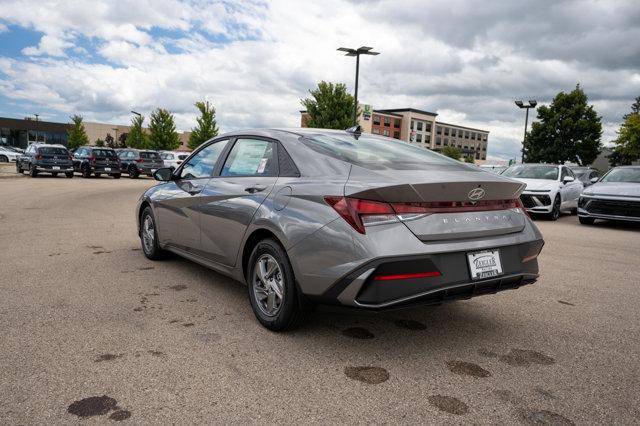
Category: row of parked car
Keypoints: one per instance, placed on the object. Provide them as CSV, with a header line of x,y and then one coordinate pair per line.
x,y
94,161
552,188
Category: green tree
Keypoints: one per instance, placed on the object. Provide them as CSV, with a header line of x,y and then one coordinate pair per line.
x,y
76,135
469,159
162,131
206,128
628,142
568,130
99,142
109,140
451,152
635,108
329,107
137,138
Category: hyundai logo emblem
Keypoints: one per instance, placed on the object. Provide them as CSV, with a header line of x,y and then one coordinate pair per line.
x,y
476,194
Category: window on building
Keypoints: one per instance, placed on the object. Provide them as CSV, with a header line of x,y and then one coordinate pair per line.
x,y
376,119
446,131
466,135
386,132
396,135
477,155
427,127
438,140
375,131
438,130
419,124
473,136
387,122
453,133
419,137
396,123
446,141
413,125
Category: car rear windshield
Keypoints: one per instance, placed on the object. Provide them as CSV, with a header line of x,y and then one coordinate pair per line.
x,y
375,151
52,150
623,175
182,156
150,155
532,172
104,153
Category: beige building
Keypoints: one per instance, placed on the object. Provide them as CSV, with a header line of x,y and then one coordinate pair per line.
x,y
420,128
97,131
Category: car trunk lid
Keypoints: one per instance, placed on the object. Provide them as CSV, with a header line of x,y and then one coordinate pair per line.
x,y
445,202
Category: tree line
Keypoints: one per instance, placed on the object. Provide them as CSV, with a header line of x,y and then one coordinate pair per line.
x,y
160,135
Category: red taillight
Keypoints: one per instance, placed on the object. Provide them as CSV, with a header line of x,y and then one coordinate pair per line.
x,y
352,210
70,158
359,213
139,160
520,206
38,157
92,159
393,277
179,162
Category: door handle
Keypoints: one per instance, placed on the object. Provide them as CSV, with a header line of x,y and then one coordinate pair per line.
x,y
255,188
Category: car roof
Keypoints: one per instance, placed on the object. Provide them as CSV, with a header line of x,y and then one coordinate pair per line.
x,y
55,145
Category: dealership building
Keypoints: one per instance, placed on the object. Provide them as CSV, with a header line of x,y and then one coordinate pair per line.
x,y
420,128
21,132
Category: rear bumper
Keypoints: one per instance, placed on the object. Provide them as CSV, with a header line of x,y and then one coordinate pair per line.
x,y
359,289
50,169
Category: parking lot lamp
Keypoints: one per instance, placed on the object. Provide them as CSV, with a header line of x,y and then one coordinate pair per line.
x,y
364,50
520,104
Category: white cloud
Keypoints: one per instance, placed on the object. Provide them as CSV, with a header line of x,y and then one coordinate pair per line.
x,y
255,60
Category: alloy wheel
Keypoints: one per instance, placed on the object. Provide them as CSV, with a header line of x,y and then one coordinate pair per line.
x,y
148,234
268,285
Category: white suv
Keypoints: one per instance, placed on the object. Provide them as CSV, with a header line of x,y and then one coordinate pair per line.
x,y
173,158
550,188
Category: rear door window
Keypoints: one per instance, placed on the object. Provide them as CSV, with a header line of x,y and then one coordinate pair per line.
x,y
251,157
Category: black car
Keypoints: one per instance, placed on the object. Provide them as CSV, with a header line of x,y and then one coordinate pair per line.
x,y
136,162
586,175
44,158
99,160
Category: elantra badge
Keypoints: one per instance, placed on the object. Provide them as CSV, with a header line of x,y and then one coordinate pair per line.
x,y
476,194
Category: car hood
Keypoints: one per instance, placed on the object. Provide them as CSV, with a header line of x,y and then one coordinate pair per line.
x,y
538,184
625,189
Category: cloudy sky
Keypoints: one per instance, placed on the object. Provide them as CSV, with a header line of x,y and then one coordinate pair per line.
x,y
254,60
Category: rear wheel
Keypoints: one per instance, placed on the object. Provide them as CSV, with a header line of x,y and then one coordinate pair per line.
x,y
586,220
98,174
133,172
86,171
116,176
555,211
54,174
4,159
272,289
32,171
69,174
149,236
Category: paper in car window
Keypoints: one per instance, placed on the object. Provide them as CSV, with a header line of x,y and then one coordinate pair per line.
x,y
250,158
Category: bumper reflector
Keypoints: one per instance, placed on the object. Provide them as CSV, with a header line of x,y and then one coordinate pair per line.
x,y
407,276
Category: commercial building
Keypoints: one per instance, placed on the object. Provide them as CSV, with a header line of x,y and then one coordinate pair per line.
x,y
420,128
22,132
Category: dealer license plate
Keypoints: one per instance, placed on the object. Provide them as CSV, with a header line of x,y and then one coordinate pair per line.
x,y
153,170
56,167
107,169
484,264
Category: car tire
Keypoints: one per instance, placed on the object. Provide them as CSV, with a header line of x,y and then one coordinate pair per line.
x,y
116,176
149,239
98,174
4,159
555,210
32,171
133,173
54,174
263,292
69,175
586,220
19,168
86,171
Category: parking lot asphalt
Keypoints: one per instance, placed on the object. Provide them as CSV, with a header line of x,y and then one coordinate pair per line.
x,y
89,326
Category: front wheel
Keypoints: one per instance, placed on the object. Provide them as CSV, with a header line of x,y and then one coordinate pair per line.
x,y
54,174
149,236
86,171
18,168
32,171
4,159
69,175
133,172
586,220
271,285
116,176
555,210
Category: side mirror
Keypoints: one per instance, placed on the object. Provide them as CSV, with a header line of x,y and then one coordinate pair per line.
x,y
164,174
567,179
594,179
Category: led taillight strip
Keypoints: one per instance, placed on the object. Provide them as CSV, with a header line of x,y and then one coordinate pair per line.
x,y
394,277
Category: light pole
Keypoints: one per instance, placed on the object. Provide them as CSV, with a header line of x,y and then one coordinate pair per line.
x,y
136,113
115,141
37,115
520,104
364,50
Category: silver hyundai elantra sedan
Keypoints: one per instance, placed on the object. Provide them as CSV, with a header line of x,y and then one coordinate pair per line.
x,y
307,216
